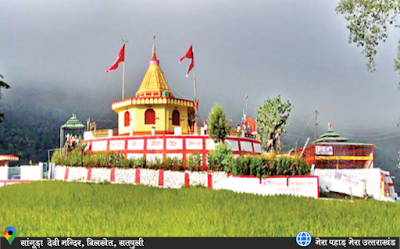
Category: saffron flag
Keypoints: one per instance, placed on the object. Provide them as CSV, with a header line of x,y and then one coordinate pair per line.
x,y
245,97
188,55
121,58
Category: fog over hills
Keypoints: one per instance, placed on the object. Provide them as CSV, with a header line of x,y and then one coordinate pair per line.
x,y
54,53
33,118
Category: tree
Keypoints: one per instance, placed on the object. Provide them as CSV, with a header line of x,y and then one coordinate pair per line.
x,y
5,86
271,122
368,22
217,125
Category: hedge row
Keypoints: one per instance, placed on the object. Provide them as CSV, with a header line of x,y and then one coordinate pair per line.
x,y
76,158
262,166
220,159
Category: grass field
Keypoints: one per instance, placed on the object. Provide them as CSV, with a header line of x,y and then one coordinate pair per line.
x,y
56,208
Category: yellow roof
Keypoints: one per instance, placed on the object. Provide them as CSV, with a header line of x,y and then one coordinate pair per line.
x,y
154,83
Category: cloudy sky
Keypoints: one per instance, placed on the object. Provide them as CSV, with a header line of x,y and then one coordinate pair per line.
x,y
298,49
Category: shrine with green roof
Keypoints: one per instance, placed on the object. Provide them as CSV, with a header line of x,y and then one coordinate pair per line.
x,y
332,151
73,127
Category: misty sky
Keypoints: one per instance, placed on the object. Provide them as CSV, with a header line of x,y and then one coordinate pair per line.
x,y
298,49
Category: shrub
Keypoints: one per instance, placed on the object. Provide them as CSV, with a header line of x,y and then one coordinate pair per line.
x,y
168,162
266,165
177,162
150,164
116,160
236,165
125,163
174,164
56,157
140,163
74,160
218,125
157,163
255,163
220,158
194,161
90,160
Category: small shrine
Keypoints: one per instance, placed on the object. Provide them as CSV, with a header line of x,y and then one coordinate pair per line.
x,y
6,159
332,151
73,127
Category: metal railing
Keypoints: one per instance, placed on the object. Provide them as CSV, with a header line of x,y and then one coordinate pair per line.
x,y
104,133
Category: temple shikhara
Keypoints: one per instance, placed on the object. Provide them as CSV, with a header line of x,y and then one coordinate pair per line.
x,y
155,124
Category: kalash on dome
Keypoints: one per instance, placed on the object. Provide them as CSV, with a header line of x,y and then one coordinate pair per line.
x,y
155,124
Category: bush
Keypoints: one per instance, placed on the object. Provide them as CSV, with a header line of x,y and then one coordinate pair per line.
x,y
117,160
262,166
255,163
157,163
56,157
174,164
236,165
194,161
218,125
220,158
140,163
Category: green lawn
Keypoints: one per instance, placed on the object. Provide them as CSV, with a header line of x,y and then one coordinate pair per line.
x,y
56,208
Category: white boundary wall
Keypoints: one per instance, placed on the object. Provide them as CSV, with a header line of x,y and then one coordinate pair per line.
x,y
150,177
3,172
306,186
296,185
29,172
341,180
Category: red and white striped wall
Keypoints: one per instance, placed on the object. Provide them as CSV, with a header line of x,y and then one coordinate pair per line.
x,y
164,179
151,147
307,186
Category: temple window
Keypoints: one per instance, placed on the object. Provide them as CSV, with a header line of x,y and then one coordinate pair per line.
x,y
175,117
149,117
127,118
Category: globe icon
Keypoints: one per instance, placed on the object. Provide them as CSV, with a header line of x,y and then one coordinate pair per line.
x,y
303,239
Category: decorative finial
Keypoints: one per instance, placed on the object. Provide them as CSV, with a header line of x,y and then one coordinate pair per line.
x,y
154,48
154,60
330,126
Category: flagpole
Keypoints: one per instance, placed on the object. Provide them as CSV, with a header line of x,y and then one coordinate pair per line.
x,y
123,80
195,96
247,97
123,73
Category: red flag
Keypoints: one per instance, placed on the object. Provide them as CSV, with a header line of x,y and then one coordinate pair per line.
x,y
188,55
121,58
196,106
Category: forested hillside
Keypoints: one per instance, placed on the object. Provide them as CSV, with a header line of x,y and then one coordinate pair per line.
x,y
30,127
